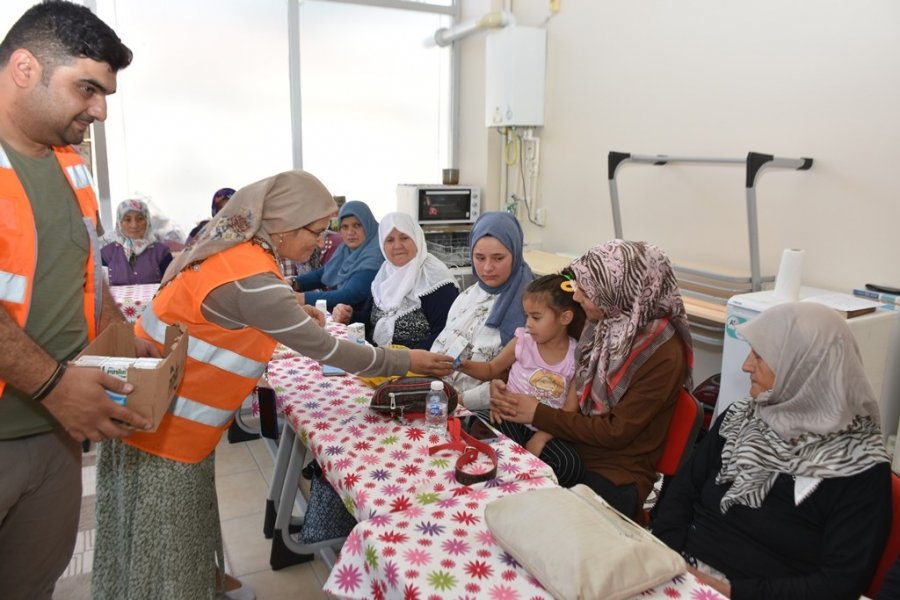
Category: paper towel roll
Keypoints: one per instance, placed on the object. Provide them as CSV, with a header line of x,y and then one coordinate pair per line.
x,y
790,272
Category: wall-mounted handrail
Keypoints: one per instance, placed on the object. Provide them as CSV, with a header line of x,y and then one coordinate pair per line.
x,y
755,163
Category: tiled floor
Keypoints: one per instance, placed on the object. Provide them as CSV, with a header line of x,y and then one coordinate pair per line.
x,y
242,479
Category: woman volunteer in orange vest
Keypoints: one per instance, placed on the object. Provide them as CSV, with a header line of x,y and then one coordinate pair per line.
x,y
158,531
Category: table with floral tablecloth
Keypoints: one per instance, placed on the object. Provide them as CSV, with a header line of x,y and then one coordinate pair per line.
x,y
133,299
378,465
445,550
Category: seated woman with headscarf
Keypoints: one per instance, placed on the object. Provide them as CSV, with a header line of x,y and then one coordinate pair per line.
x,y
135,256
411,293
486,315
347,277
633,358
789,495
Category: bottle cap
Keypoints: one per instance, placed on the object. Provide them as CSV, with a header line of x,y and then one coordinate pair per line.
x,y
437,386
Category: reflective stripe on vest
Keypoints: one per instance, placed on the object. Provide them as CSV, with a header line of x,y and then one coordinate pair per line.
x,y
12,287
203,351
200,413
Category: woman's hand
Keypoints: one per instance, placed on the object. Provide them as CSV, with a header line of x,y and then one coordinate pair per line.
x,y
517,408
342,313
429,363
315,314
720,586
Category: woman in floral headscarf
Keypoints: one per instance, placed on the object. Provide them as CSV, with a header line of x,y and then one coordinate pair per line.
x,y
633,358
158,533
135,256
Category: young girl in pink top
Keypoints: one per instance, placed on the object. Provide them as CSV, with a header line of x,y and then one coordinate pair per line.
x,y
541,362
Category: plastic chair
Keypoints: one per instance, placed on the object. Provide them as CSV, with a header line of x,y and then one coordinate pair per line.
x,y
683,431
892,548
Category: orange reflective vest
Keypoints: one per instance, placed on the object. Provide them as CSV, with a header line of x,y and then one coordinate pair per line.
x,y
19,244
223,365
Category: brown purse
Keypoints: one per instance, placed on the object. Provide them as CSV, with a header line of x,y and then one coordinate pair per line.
x,y
405,396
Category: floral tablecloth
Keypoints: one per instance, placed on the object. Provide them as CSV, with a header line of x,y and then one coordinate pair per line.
x,y
445,550
378,465
133,299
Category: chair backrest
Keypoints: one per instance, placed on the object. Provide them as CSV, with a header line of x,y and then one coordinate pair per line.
x,y
683,430
892,548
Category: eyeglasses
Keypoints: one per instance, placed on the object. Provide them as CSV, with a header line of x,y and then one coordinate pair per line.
x,y
319,234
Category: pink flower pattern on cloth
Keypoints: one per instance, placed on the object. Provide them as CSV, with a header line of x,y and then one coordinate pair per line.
x,y
131,300
421,535
378,465
445,550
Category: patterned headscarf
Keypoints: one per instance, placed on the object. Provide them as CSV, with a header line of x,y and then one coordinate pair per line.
x,y
280,203
507,313
634,285
365,257
819,420
397,290
131,246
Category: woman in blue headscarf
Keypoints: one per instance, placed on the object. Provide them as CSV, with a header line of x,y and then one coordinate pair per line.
x,y
347,277
486,315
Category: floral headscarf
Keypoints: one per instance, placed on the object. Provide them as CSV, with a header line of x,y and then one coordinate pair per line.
x,y
280,203
131,246
634,285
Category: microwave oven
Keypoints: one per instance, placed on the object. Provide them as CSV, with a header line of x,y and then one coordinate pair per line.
x,y
439,204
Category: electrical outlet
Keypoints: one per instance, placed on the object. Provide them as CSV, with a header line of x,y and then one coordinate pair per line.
x,y
540,216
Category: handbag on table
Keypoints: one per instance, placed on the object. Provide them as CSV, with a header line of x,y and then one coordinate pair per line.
x,y
405,396
578,546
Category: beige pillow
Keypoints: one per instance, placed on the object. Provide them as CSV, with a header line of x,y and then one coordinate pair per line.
x,y
578,546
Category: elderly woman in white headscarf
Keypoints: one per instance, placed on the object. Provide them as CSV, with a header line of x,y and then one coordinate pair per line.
x,y
789,495
412,291
135,256
158,532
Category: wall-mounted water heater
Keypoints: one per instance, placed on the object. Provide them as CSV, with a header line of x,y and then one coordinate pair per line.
x,y
515,58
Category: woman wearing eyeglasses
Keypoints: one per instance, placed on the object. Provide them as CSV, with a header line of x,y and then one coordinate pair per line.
x,y
158,532
347,277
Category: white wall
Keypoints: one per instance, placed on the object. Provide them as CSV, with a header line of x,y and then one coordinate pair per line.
x,y
697,77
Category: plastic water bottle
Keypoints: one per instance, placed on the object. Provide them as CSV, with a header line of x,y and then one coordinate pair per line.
x,y
436,409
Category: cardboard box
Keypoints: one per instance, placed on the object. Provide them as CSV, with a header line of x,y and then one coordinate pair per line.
x,y
154,389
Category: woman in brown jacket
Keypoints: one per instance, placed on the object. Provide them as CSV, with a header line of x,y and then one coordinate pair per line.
x,y
633,358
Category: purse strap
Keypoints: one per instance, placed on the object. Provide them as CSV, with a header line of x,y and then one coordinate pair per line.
x,y
460,441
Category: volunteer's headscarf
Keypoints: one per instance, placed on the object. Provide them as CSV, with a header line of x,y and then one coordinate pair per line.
x,y
131,246
635,287
367,256
507,313
820,420
398,290
284,202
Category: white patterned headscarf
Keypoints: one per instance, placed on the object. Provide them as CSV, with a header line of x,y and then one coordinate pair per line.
x,y
634,285
277,204
398,290
819,420
131,246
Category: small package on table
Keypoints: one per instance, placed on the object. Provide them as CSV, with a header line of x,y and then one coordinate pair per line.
x,y
155,380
